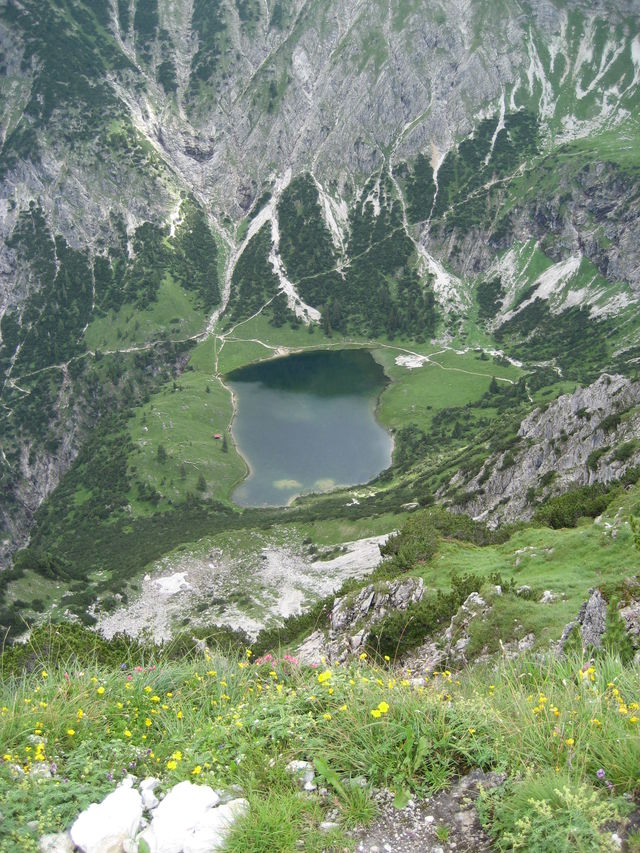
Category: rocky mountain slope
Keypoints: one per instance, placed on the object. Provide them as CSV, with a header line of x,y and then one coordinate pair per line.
x,y
414,169
580,439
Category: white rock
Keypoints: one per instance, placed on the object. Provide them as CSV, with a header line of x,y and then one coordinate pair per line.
x,y
149,784
303,772
210,834
547,597
58,843
104,826
182,811
149,799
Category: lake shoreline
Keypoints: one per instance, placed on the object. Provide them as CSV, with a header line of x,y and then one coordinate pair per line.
x,y
342,385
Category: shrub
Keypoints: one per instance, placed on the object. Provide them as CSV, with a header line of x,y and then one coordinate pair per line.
x,y
625,451
403,630
565,510
550,813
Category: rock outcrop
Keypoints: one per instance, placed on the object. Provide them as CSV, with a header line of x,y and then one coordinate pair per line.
x,y
352,616
557,444
591,623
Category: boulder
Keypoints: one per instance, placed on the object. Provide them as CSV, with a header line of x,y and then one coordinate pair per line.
x,y
179,815
103,827
210,834
593,617
590,621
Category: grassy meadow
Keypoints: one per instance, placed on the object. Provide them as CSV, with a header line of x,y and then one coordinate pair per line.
x,y
567,737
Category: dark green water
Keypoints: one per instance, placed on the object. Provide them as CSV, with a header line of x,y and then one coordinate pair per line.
x,y
306,423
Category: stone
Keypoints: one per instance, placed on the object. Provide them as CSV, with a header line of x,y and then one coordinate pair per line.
x,y
150,783
499,495
591,621
103,827
59,842
547,597
312,649
303,773
149,799
179,815
593,618
211,832
631,616
147,792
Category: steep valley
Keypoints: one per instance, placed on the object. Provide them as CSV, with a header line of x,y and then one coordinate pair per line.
x,y
191,187
319,426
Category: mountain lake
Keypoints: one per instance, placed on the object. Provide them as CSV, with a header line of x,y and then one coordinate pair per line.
x,y
306,423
